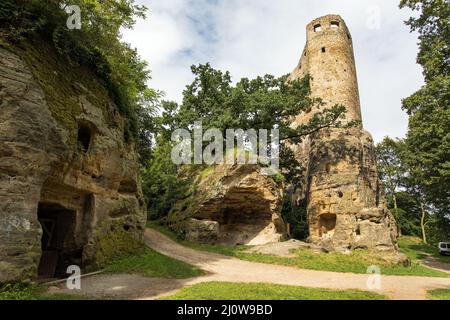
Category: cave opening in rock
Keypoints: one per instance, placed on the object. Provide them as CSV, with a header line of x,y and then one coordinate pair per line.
x,y
84,136
327,224
57,242
245,218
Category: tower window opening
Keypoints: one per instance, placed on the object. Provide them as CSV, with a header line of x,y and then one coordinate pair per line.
x,y
317,28
324,49
334,24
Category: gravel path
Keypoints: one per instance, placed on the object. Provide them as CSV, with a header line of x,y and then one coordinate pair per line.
x,y
228,269
223,268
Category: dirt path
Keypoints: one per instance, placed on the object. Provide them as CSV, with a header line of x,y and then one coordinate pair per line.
x,y
228,269
435,264
223,268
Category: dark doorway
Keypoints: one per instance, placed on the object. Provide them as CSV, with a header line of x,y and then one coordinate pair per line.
x,y
84,136
58,241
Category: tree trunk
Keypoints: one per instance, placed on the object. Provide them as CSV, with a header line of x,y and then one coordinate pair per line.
x,y
422,223
394,199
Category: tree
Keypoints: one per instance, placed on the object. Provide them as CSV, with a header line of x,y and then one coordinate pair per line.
x,y
390,167
265,102
261,103
428,138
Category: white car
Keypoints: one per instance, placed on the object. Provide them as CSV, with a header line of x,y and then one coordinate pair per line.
x,y
444,248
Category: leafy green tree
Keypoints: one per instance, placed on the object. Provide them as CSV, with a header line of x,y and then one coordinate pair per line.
x,y
390,167
428,138
161,184
262,103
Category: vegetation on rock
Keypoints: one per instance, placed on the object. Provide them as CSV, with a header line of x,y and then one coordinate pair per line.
x,y
97,45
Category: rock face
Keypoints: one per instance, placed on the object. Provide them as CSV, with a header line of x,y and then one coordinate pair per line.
x,y
345,205
69,190
231,204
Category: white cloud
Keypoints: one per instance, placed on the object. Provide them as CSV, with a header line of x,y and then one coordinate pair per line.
x,y
254,37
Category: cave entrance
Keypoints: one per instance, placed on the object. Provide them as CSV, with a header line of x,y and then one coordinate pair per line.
x,y
245,218
58,252
327,224
239,226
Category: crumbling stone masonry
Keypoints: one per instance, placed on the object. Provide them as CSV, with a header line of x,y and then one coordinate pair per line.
x,y
345,205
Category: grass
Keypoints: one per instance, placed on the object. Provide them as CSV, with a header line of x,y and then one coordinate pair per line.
x,y
356,262
33,292
258,291
415,249
147,263
439,294
150,263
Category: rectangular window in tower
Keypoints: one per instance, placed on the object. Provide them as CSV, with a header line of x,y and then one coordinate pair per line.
x,y
334,24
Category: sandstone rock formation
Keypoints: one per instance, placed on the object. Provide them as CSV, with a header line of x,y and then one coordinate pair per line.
x,y
231,204
69,188
345,205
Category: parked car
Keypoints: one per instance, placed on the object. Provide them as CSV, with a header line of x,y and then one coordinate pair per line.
x,y
444,248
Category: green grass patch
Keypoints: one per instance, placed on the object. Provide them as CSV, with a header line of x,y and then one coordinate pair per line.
x,y
415,249
150,263
439,294
356,262
33,292
259,291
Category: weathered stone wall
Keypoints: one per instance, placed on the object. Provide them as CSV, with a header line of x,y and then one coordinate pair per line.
x,y
43,102
345,204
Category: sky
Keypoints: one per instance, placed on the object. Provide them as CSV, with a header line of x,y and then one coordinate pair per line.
x,y
257,37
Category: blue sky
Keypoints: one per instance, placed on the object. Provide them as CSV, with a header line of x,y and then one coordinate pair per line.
x,y
255,37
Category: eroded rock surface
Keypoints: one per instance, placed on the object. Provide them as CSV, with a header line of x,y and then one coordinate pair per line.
x,y
69,190
231,204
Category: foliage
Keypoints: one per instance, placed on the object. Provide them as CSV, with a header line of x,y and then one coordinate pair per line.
x,y
439,294
15,291
260,291
12,291
261,103
405,187
428,140
434,35
265,102
296,216
153,264
97,45
161,184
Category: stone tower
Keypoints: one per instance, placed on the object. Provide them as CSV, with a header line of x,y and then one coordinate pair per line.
x,y
345,205
328,57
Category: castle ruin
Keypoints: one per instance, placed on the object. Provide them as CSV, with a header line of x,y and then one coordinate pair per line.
x,y
345,204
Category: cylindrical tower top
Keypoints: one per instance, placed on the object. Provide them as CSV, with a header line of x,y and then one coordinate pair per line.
x,y
328,57
328,25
